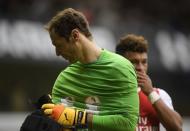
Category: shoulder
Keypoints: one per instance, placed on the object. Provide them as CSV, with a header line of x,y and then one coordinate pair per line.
x,y
121,64
163,93
165,97
118,59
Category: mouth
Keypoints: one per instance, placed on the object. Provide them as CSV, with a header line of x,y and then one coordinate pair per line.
x,y
65,58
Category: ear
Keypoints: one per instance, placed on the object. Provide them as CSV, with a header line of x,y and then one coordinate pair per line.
x,y
75,35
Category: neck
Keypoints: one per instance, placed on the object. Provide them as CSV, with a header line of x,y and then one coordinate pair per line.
x,y
90,52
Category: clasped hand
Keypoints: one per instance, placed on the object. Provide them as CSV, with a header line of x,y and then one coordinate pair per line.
x,y
65,116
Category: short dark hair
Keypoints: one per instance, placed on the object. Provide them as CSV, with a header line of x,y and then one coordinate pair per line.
x,y
65,21
132,43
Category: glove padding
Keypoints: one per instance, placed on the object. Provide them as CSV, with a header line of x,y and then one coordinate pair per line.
x,y
66,116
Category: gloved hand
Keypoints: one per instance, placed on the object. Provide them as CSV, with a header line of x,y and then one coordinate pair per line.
x,y
66,116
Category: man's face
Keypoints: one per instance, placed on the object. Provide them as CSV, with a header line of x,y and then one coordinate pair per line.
x,y
64,48
139,60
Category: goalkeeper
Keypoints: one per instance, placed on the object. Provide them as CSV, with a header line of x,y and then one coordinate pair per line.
x,y
98,90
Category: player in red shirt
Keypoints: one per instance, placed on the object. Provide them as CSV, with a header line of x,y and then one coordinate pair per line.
x,y
155,104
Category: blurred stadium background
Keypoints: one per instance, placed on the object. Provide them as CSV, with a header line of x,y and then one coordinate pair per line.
x,y
28,65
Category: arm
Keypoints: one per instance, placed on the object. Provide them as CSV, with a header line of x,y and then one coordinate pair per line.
x,y
70,118
112,123
169,118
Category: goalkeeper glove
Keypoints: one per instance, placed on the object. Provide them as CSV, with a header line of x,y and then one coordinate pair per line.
x,y
66,116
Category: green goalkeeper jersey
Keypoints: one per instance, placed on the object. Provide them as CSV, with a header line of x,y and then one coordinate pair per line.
x,y
107,88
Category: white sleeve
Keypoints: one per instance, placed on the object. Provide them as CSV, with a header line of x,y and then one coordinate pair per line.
x,y
166,98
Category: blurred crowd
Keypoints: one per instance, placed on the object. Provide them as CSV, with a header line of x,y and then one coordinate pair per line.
x,y
110,13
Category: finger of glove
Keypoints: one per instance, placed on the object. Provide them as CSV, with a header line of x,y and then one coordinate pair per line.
x,y
48,111
57,111
48,106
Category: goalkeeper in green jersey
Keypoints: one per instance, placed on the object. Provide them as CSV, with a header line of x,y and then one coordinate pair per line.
x,y
98,90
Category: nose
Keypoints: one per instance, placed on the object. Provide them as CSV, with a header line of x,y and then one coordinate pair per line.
x,y
139,67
